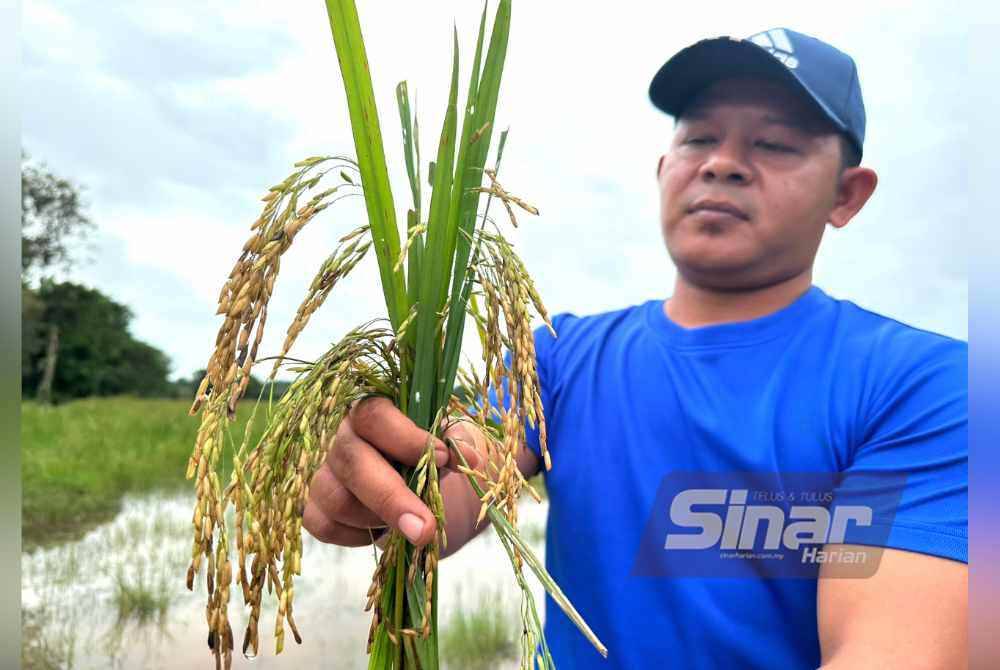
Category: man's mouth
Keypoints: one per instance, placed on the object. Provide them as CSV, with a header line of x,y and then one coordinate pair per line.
x,y
719,206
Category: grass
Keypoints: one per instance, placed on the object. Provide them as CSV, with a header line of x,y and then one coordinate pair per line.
x,y
480,636
141,600
114,591
80,458
41,648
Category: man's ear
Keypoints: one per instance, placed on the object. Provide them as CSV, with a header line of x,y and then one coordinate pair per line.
x,y
659,165
854,189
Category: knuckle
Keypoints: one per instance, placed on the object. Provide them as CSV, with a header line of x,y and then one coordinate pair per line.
x,y
367,410
343,429
388,502
464,430
338,506
315,523
331,532
344,460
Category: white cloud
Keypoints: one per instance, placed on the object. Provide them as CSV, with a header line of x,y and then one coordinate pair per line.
x,y
178,116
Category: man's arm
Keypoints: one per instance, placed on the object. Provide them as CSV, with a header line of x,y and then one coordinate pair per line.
x,y
910,614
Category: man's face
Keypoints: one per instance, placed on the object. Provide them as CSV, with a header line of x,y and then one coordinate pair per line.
x,y
753,147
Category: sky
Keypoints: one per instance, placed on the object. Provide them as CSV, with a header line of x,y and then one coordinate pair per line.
x,y
177,117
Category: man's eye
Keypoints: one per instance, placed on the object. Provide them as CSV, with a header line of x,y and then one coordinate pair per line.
x,y
774,146
699,140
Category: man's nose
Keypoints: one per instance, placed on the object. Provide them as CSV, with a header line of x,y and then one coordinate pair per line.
x,y
727,165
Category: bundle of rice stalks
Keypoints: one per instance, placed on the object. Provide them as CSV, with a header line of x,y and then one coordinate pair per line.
x,y
452,258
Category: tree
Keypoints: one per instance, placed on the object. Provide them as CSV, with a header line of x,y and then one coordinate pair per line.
x,y
96,353
32,327
51,214
142,370
75,340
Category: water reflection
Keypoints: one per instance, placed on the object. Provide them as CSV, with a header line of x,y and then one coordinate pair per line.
x,y
116,598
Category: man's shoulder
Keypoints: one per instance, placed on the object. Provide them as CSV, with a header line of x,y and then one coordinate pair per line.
x,y
895,357
892,338
575,328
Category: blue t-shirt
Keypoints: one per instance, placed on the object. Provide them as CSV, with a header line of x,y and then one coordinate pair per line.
x,y
821,385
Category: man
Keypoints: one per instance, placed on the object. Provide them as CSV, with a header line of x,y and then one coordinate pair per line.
x,y
746,368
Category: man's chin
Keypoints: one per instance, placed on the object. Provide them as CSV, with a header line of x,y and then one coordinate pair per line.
x,y
713,258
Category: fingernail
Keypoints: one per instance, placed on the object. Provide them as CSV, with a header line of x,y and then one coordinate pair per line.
x,y
411,526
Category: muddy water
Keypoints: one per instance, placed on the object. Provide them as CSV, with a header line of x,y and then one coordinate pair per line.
x,y
74,589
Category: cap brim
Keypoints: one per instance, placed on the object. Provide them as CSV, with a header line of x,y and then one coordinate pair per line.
x,y
699,65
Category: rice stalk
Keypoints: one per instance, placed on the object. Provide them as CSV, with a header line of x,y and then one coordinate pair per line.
x,y
447,270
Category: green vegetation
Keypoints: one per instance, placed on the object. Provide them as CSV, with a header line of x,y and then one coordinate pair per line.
x,y
81,338
480,636
75,340
141,600
52,217
79,459
451,267
42,647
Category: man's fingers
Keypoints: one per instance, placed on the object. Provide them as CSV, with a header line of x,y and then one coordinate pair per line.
x,y
380,423
337,503
470,441
326,530
358,488
366,474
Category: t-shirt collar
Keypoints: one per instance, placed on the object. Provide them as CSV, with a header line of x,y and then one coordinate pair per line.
x,y
786,319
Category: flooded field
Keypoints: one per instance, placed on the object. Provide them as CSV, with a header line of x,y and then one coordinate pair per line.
x,y
116,598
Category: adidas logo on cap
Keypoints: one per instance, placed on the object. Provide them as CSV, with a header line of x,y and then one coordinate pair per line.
x,y
777,42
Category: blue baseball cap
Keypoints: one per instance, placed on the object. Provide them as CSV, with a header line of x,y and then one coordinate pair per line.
x,y
824,75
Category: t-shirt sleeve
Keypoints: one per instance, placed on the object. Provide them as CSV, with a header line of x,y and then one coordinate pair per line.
x,y
915,442
544,353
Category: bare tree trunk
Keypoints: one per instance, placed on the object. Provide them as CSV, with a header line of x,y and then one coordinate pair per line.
x,y
51,354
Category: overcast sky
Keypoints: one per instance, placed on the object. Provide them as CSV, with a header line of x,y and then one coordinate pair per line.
x,y
177,117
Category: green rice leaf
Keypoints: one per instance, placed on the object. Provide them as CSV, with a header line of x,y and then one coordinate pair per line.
x,y
435,266
462,168
426,650
347,38
413,263
409,153
469,175
510,534
496,167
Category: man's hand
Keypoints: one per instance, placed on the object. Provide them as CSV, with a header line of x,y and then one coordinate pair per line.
x,y
357,489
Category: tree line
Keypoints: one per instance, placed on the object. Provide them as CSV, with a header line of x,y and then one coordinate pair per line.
x,y
75,340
